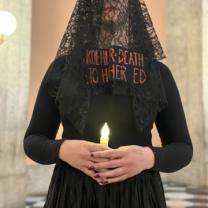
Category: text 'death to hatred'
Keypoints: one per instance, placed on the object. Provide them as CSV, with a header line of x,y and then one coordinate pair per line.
x,y
104,65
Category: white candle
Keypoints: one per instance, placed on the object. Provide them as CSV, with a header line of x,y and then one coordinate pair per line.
x,y
104,139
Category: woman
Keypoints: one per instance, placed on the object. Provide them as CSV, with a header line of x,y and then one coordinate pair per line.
x,y
107,69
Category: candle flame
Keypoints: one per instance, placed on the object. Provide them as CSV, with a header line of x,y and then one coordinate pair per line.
x,y
105,130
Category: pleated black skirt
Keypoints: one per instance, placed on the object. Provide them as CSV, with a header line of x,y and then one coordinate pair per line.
x,y
71,188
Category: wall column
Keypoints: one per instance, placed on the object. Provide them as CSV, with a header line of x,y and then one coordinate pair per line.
x,y
14,86
205,76
185,52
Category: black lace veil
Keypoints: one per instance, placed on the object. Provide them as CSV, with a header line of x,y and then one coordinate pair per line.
x,y
94,24
85,24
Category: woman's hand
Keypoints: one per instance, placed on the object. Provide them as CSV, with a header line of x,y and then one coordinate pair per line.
x,y
124,162
77,153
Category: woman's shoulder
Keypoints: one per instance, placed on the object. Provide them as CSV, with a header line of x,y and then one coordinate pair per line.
x,y
53,75
169,81
163,68
56,67
165,71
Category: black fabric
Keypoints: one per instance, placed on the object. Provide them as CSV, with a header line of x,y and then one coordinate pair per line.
x,y
88,29
71,188
106,70
84,28
176,153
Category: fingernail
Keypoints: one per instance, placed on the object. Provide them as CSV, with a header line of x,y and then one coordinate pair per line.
x,y
104,182
91,168
97,176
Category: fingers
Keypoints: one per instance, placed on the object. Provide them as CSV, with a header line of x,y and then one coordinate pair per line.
x,y
110,154
111,173
116,179
97,160
108,164
108,176
91,173
92,146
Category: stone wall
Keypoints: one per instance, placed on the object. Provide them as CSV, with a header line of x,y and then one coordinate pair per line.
x,y
14,85
184,46
205,75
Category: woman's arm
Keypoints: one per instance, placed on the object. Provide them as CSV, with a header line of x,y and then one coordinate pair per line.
x,y
39,140
177,149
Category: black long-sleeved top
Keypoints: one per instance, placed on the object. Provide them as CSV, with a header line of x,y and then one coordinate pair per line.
x,y
176,151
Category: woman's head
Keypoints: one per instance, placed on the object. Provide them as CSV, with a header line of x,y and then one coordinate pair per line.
x,y
114,11
102,23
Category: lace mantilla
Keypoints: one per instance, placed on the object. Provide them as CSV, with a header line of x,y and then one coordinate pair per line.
x,y
103,25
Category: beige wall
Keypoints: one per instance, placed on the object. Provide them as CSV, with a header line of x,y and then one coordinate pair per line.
x,y
14,81
48,25
158,12
49,20
187,61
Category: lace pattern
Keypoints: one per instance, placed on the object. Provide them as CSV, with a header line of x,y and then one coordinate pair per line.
x,y
139,21
86,29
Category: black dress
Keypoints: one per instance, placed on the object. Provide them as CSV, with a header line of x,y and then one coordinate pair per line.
x,y
71,188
